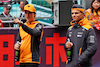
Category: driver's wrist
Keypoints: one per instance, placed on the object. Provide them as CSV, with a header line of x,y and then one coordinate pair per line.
x,y
21,23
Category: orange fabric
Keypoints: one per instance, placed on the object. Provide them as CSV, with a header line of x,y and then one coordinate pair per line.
x,y
93,17
80,9
25,48
84,22
30,7
80,51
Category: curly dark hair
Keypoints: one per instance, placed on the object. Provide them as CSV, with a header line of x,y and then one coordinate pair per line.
x,y
92,6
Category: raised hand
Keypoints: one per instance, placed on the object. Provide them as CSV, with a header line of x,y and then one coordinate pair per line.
x,y
16,21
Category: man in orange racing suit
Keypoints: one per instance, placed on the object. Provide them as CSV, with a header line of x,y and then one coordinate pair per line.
x,y
30,34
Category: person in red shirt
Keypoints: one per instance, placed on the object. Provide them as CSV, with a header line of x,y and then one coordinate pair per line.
x,y
1,24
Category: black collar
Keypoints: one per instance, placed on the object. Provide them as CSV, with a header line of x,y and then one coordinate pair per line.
x,y
77,25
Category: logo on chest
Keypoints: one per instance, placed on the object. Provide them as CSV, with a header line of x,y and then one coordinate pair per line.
x,y
70,34
79,34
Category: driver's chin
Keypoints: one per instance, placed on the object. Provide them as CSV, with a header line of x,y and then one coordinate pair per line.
x,y
28,20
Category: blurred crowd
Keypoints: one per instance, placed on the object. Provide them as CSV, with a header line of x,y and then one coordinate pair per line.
x,y
6,13
92,13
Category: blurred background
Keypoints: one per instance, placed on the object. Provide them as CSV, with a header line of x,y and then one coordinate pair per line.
x,y
45,9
